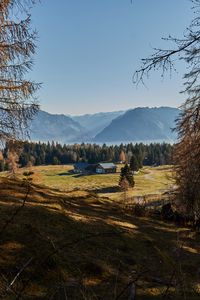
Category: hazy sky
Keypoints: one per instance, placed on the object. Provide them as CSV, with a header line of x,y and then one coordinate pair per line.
x,y
88,51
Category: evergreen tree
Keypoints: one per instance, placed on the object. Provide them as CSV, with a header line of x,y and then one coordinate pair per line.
x,y
134,166
55,161
41,153
126,174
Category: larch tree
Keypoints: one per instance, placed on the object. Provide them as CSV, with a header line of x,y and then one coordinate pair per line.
x,y
17,47
187,150
122,156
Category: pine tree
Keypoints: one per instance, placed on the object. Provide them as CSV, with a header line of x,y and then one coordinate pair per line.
x,y
134,166
126,175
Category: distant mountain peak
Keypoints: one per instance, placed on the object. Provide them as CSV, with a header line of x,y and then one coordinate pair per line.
x,y
137,124
141,124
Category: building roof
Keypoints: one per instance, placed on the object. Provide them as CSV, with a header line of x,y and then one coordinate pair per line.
x,y
107,165
81,165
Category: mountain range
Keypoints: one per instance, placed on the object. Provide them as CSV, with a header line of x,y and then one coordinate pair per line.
x,y
141,124
95,123
138,124
52,127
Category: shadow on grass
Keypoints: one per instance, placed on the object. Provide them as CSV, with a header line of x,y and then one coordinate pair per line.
x,y
65,174
87,248
111,189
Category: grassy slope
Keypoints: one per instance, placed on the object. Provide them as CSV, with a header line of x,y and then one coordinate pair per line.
x,y
85,246
148,181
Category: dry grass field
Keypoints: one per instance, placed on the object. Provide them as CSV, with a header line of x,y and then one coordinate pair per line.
x,y
79,245
149,181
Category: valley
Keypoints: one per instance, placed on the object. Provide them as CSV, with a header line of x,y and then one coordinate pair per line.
x,y
75,240
148,181
99,160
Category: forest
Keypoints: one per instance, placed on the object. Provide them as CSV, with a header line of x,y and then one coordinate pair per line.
x,y
68,236
36,154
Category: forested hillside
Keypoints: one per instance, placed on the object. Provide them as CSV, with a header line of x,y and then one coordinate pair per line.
x,y
54,153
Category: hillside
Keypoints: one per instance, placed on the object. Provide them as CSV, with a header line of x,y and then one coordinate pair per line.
x,y
141,124
47,127
149,181
77,245
95,123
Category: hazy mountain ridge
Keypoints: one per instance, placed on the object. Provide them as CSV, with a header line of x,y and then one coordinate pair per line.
x,y
139,124
47,127
95,123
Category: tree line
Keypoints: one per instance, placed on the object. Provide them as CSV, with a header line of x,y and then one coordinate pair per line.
x,y
36,154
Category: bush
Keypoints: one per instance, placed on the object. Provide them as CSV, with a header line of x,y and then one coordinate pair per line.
x,y
139,210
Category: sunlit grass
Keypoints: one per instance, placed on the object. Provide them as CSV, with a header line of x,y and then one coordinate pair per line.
x,y
119,244
148,181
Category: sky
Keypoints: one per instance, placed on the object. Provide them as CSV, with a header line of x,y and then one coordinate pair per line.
x,y
88,51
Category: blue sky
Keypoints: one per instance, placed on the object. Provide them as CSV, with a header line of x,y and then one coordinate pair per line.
x,y
88,51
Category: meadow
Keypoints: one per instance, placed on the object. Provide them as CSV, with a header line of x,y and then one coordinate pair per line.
x,y
148,181
77,245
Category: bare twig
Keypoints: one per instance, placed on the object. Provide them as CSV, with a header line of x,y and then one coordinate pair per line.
x,y
19,273
131,285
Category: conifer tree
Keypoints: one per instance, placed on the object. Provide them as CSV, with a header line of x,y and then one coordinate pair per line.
x,y
134,166
126,175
